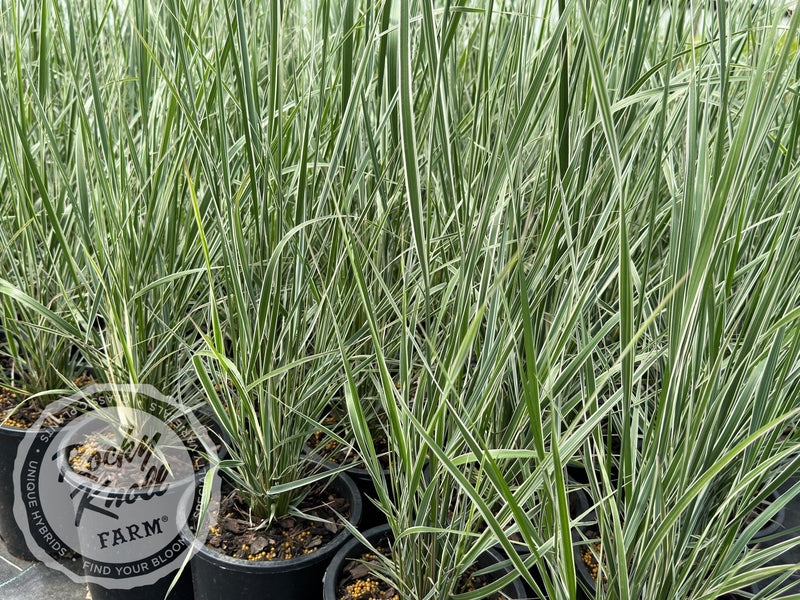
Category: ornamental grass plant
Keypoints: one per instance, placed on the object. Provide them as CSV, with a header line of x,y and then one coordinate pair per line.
x,y
42,324
41,333
664,190
273,263
46,308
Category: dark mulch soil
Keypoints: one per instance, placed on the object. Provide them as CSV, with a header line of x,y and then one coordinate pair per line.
x,y
23,417
15,412
95,459
100,462
358,582
237,536
331,450
589,554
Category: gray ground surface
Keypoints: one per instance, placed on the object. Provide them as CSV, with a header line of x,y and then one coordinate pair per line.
x,y
21,580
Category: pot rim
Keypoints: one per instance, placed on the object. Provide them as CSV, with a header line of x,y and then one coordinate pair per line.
x,y
14,431
229,563
82,482
355,470
334,570
578,537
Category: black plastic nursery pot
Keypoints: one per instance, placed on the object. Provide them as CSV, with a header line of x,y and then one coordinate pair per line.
x,y
514,590
578,505
216,575
579,502
154,591
774,526
10,439
577,469
129,530
371,515
102,496
16,543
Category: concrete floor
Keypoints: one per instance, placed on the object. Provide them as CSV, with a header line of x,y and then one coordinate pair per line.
x,y
22,580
